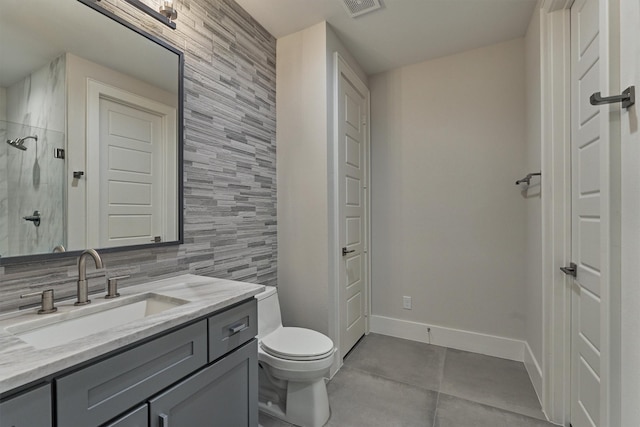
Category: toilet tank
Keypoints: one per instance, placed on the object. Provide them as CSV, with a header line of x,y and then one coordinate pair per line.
x,y
268,311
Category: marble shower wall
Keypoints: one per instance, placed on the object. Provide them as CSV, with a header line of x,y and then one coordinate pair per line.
x,y
3,104
35,178
229,159
39,99
34,181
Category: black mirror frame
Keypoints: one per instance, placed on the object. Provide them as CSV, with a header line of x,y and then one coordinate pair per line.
x,y
22,259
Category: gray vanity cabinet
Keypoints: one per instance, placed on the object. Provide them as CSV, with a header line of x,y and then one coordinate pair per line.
x,y
224,394
232,328
30,409
98,393
204,374
138,417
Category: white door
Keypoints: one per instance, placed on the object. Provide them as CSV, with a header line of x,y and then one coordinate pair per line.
x,y
131,184
352,156
590,219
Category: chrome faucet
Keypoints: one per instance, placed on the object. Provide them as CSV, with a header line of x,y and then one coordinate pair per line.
x,y
83,285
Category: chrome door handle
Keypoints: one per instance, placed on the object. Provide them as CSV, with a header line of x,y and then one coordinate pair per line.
x,y
572,270
164,420
628,98
345,251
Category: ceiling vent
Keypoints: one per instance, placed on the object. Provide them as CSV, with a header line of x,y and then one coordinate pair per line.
x,y
357,8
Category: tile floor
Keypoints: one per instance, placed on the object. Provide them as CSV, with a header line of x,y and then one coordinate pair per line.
x,y
391,382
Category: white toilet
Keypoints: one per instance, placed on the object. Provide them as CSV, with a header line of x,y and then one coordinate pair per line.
x,y
293,364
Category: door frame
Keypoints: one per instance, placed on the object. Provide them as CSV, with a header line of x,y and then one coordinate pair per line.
x,y
335,257
555,22
555,33
630,217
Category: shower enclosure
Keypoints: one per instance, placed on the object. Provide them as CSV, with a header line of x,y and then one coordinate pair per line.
x,y
32,176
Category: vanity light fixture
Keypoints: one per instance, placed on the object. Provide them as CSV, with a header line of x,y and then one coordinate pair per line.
x,y
166,15
166,8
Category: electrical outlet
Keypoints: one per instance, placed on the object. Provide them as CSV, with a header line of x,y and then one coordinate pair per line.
x,y
406,303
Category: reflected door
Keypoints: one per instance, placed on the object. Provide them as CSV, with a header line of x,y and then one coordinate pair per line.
x,y
131,162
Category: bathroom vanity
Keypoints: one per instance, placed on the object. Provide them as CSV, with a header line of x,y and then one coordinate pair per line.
x,y
192,361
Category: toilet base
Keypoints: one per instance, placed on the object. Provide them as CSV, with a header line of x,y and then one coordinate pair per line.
x,y
307,404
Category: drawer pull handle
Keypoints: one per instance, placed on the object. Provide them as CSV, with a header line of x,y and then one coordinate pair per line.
x,y
164,420
237,328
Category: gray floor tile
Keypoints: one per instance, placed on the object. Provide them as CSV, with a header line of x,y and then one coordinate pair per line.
x,y
265,420
360,399
409,362
456,412
490,380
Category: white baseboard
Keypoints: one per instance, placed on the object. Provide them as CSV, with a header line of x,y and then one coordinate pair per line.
x,y
491,345
534,371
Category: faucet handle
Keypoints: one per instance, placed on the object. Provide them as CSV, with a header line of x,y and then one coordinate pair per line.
x,y
47,302
112,286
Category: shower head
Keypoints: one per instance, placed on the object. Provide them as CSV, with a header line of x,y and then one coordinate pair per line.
x,y
16,143
19,142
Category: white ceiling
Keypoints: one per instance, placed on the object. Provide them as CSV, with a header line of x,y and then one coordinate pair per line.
x,y
404,31
35,32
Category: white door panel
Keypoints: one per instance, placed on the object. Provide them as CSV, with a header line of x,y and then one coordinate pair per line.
x,y
130,226
589,223
131,127
130,193
355,306
352,140
127,159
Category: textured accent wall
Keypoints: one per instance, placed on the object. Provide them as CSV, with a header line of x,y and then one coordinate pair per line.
x,y
229,159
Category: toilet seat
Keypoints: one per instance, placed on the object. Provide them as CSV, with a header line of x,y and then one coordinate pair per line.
x,y
298,344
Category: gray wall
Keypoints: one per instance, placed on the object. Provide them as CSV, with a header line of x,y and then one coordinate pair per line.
x,y
448,143
532,220
229,159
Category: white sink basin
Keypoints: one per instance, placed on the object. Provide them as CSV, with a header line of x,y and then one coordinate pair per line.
x,y
58,329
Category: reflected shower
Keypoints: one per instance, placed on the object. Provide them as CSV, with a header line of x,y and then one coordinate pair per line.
x,y
19,142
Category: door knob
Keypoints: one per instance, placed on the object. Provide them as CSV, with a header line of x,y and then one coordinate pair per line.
x,y
572,270
345,251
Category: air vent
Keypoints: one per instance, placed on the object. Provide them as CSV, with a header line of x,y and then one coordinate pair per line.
x,y
360,7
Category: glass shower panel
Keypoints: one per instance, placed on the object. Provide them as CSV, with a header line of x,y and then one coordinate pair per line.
x,y
32,189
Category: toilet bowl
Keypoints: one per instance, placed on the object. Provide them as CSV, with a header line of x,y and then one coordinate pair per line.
x,y
293,365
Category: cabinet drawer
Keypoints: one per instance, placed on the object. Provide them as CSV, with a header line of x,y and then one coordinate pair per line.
x,y
31,409
138,417
101,391
224,394
232,328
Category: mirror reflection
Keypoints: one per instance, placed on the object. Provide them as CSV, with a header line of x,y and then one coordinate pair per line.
x,y
89,124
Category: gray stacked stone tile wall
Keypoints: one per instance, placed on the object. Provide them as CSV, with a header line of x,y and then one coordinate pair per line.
x,y
229,159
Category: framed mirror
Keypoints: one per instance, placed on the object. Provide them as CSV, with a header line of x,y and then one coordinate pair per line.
x,y
91,132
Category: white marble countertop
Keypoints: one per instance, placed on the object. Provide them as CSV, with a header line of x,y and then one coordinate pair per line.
x,y
21,363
